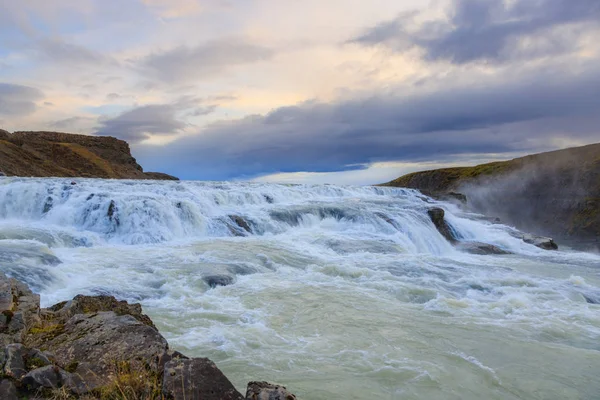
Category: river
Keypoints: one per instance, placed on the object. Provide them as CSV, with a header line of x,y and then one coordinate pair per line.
x,y
335,292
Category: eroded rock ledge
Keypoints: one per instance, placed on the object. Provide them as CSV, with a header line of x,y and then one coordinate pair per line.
x,y
57,154
96,347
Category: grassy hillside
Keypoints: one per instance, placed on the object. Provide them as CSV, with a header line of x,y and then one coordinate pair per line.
x,y
46,154
555,193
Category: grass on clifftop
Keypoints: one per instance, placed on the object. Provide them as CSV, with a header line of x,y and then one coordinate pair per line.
x,y
129,381
97,161
448,178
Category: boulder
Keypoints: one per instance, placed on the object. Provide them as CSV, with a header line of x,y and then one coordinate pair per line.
x,y
36,359
92,304
47,377
437,217
267,391
197,378
480,248
168,356
542,242
8,391
19,309
89,345
14,366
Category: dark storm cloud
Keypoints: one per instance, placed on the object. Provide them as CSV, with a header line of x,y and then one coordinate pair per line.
x,y
58,50
490,30
141,122
203,61
490,117
18,100
70,123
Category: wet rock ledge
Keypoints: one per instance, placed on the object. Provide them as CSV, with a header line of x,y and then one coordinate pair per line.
x,y
100,348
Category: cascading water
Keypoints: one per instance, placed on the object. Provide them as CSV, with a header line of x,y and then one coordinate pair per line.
x,y
337,292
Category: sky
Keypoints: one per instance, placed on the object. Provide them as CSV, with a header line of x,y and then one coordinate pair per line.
x,y
311,91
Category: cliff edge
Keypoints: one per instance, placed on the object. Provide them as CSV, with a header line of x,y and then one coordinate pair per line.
x,y
57,154
555,193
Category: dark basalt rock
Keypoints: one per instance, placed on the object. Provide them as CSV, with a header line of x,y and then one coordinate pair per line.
x,y
218,280
241,222
437,217
268,198
45,377
480,248
111,213
14,365
388,219
19,308
89,343
542,242
8,391
197,378
96,341
92,304
48,205
267,391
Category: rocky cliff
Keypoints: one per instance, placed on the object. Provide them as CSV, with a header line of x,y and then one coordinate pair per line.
x,y
96,347
555,193
46,154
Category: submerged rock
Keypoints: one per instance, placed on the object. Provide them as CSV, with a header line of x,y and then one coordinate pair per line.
x,y
388,219
267,391
542,242
590,300
437,217
48,205
197,378
241,223
480,248
113,213
268,199
218,280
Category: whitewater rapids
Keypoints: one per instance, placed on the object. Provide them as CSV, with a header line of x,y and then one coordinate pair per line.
x,y
336,292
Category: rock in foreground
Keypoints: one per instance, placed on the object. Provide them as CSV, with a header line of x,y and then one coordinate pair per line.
x,y
97,347
267,391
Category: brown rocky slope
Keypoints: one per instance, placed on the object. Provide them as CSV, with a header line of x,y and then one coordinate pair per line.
x,y
555,193
56,154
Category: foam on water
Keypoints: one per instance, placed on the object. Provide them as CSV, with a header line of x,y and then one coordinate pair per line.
x,y
338,292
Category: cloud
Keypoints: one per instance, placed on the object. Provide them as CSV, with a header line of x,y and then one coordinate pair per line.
x,y
490,30
17,100
202,111
174,8
496,115
141,122
72,123
203,61
60,51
